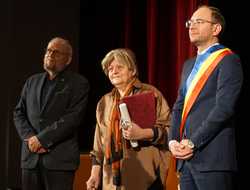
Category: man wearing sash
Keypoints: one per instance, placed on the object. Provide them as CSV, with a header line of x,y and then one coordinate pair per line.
x,y
202,136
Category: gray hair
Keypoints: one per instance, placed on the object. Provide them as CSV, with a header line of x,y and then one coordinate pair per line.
x,y
125,56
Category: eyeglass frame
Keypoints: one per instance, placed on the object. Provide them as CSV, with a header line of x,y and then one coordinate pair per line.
x,y
55,51
197,21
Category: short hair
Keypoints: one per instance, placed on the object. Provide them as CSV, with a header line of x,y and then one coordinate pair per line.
x,y
123,55
65,44
217,17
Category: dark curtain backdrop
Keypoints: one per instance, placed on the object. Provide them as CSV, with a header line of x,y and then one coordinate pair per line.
x,y
163,38
153,29
26,27
156,31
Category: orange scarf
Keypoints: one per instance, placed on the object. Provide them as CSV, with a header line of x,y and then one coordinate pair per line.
x,y
113,144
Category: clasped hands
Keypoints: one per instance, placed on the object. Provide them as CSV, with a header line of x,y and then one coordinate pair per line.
x,y
34,145
181,150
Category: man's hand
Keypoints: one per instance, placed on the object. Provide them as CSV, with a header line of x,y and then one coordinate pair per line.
x,y
180,150
42,150
34,144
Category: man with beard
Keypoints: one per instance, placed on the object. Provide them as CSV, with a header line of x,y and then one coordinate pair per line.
x,y
46,117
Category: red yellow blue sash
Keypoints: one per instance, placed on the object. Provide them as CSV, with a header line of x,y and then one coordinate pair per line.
x,y
199,81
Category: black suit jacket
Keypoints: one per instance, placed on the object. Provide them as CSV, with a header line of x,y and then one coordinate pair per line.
x,y
211,119
55,124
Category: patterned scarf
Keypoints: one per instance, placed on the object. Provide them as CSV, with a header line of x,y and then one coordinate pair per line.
x,y
113,145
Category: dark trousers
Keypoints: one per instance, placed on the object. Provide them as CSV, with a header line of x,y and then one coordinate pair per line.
x,y
191,179
41,178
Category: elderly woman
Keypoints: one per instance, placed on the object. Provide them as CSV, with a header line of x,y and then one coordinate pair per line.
x,y
118,164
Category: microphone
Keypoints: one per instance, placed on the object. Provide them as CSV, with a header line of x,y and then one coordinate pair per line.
x,y
126,121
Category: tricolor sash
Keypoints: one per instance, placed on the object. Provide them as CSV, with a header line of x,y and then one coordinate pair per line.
x,y
199,81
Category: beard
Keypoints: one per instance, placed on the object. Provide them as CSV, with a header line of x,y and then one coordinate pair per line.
x,y
53,67
49,66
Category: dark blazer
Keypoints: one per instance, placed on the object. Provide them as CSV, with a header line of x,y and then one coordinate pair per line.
x,y
55,124
211,119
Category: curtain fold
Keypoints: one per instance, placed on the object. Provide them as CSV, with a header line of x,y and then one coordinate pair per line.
x,y
160,40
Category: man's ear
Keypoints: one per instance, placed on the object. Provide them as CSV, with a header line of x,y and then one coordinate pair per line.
x,y
217,29
69,60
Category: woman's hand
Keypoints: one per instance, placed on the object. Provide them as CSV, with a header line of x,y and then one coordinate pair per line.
x,y
94,179
134,132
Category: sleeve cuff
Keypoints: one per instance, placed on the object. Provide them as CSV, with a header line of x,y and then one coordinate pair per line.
x,y
156,134
94,161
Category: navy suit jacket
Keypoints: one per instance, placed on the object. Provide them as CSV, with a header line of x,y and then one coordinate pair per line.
x,y
55,124
211,119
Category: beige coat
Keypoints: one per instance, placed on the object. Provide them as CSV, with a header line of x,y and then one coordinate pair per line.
x,y
140,168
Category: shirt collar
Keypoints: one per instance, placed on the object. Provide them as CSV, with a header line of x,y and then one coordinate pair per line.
x,y
205,50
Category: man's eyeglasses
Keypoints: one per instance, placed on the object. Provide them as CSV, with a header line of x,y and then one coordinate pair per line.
x,y
197,22
54,51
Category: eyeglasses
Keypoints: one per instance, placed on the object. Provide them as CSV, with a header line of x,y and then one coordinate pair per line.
x,y
55,52
197,22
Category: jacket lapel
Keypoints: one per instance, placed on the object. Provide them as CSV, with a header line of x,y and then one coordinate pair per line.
x,y
39,90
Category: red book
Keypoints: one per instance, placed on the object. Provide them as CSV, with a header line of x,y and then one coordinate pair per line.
x,y
142,109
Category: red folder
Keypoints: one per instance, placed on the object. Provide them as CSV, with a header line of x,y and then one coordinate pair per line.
x,y
142,109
